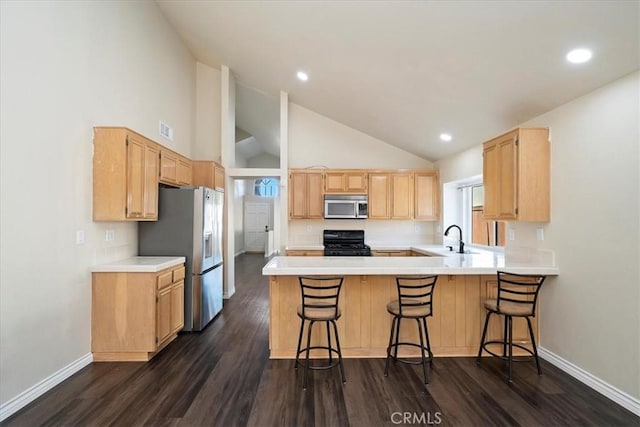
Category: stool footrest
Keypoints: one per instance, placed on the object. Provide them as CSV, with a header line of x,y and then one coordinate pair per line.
x,y
499,356
405,360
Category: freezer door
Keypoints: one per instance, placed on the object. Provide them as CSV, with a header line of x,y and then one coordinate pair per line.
x,y
207,232
217,226
206,297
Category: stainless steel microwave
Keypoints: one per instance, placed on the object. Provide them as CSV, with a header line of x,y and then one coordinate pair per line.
x,y
345,206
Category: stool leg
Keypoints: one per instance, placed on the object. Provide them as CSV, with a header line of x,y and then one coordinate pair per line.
x,y
386,364
335,330
424,363
484,335
426,335
395,352
510,347
299,342
306,364
535,349
329,344
504,342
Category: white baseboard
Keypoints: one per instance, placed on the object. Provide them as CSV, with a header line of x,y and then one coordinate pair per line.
x,y
227,295
240,252
32,393
620,397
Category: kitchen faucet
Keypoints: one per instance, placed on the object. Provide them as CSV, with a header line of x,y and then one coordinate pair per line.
x,y
446,233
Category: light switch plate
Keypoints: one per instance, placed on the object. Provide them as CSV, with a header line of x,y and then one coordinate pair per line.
x,y
109,235
540,233
512,235
80,237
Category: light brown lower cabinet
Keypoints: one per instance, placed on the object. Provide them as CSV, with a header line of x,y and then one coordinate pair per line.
x,y
135,315
313,252
395,252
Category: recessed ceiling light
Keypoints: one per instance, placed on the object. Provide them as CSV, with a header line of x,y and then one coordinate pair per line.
x,y
578,56
302,76
446,137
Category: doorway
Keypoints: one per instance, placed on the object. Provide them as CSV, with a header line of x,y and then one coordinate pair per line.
x,y
257,223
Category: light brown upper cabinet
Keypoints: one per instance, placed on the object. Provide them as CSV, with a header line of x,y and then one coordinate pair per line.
x,y
404,195
305,194
516,175
208,174
174,168
426,195
345,181
379,191
125,176
401,195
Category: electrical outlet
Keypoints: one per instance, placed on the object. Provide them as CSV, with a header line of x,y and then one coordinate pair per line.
x,y
416,228
512,235
80,237
110,235
309,228
540,233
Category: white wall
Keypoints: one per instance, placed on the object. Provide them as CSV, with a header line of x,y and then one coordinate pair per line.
x,y
240,190
263,160
590,313
208,114
64,68
316,140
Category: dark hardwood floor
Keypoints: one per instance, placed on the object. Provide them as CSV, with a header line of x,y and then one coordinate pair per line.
x,y
223,377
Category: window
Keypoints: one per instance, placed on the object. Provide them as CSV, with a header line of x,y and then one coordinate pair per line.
x,y
266,187
481,231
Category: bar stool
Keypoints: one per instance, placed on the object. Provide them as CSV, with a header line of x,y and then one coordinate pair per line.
x,y
415,295
517,297
319,304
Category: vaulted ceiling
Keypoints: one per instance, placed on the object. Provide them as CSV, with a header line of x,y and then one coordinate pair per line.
x,y
407,71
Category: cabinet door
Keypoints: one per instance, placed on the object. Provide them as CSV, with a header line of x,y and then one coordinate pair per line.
x,y
297,195
135,177
151,161
379,196
168,167
315,200
426,194
177,306
490,178
334,182
163,314
184,172
508,167
402,196
356,182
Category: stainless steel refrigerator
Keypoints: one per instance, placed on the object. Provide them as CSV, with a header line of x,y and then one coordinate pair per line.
x,y
190,225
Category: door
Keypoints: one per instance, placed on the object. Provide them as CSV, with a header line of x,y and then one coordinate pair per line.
x,y
218,224
256,218
207,297
205,198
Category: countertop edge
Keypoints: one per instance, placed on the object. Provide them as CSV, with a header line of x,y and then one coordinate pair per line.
x,y
129,265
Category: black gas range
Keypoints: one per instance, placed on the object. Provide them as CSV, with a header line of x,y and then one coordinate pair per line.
x,y
345,243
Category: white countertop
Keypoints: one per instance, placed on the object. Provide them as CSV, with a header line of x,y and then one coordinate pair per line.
x,y
139,264
445,262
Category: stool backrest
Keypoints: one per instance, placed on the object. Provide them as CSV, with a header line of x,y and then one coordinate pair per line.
x,y
320,292
519,289
415,291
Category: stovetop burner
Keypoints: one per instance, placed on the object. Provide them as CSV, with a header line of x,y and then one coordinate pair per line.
x,y
345,243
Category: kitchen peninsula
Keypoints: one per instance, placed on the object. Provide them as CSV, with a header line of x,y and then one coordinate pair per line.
x,y
465,281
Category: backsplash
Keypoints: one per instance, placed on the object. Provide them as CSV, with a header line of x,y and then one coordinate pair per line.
x,y
377,232
124,244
